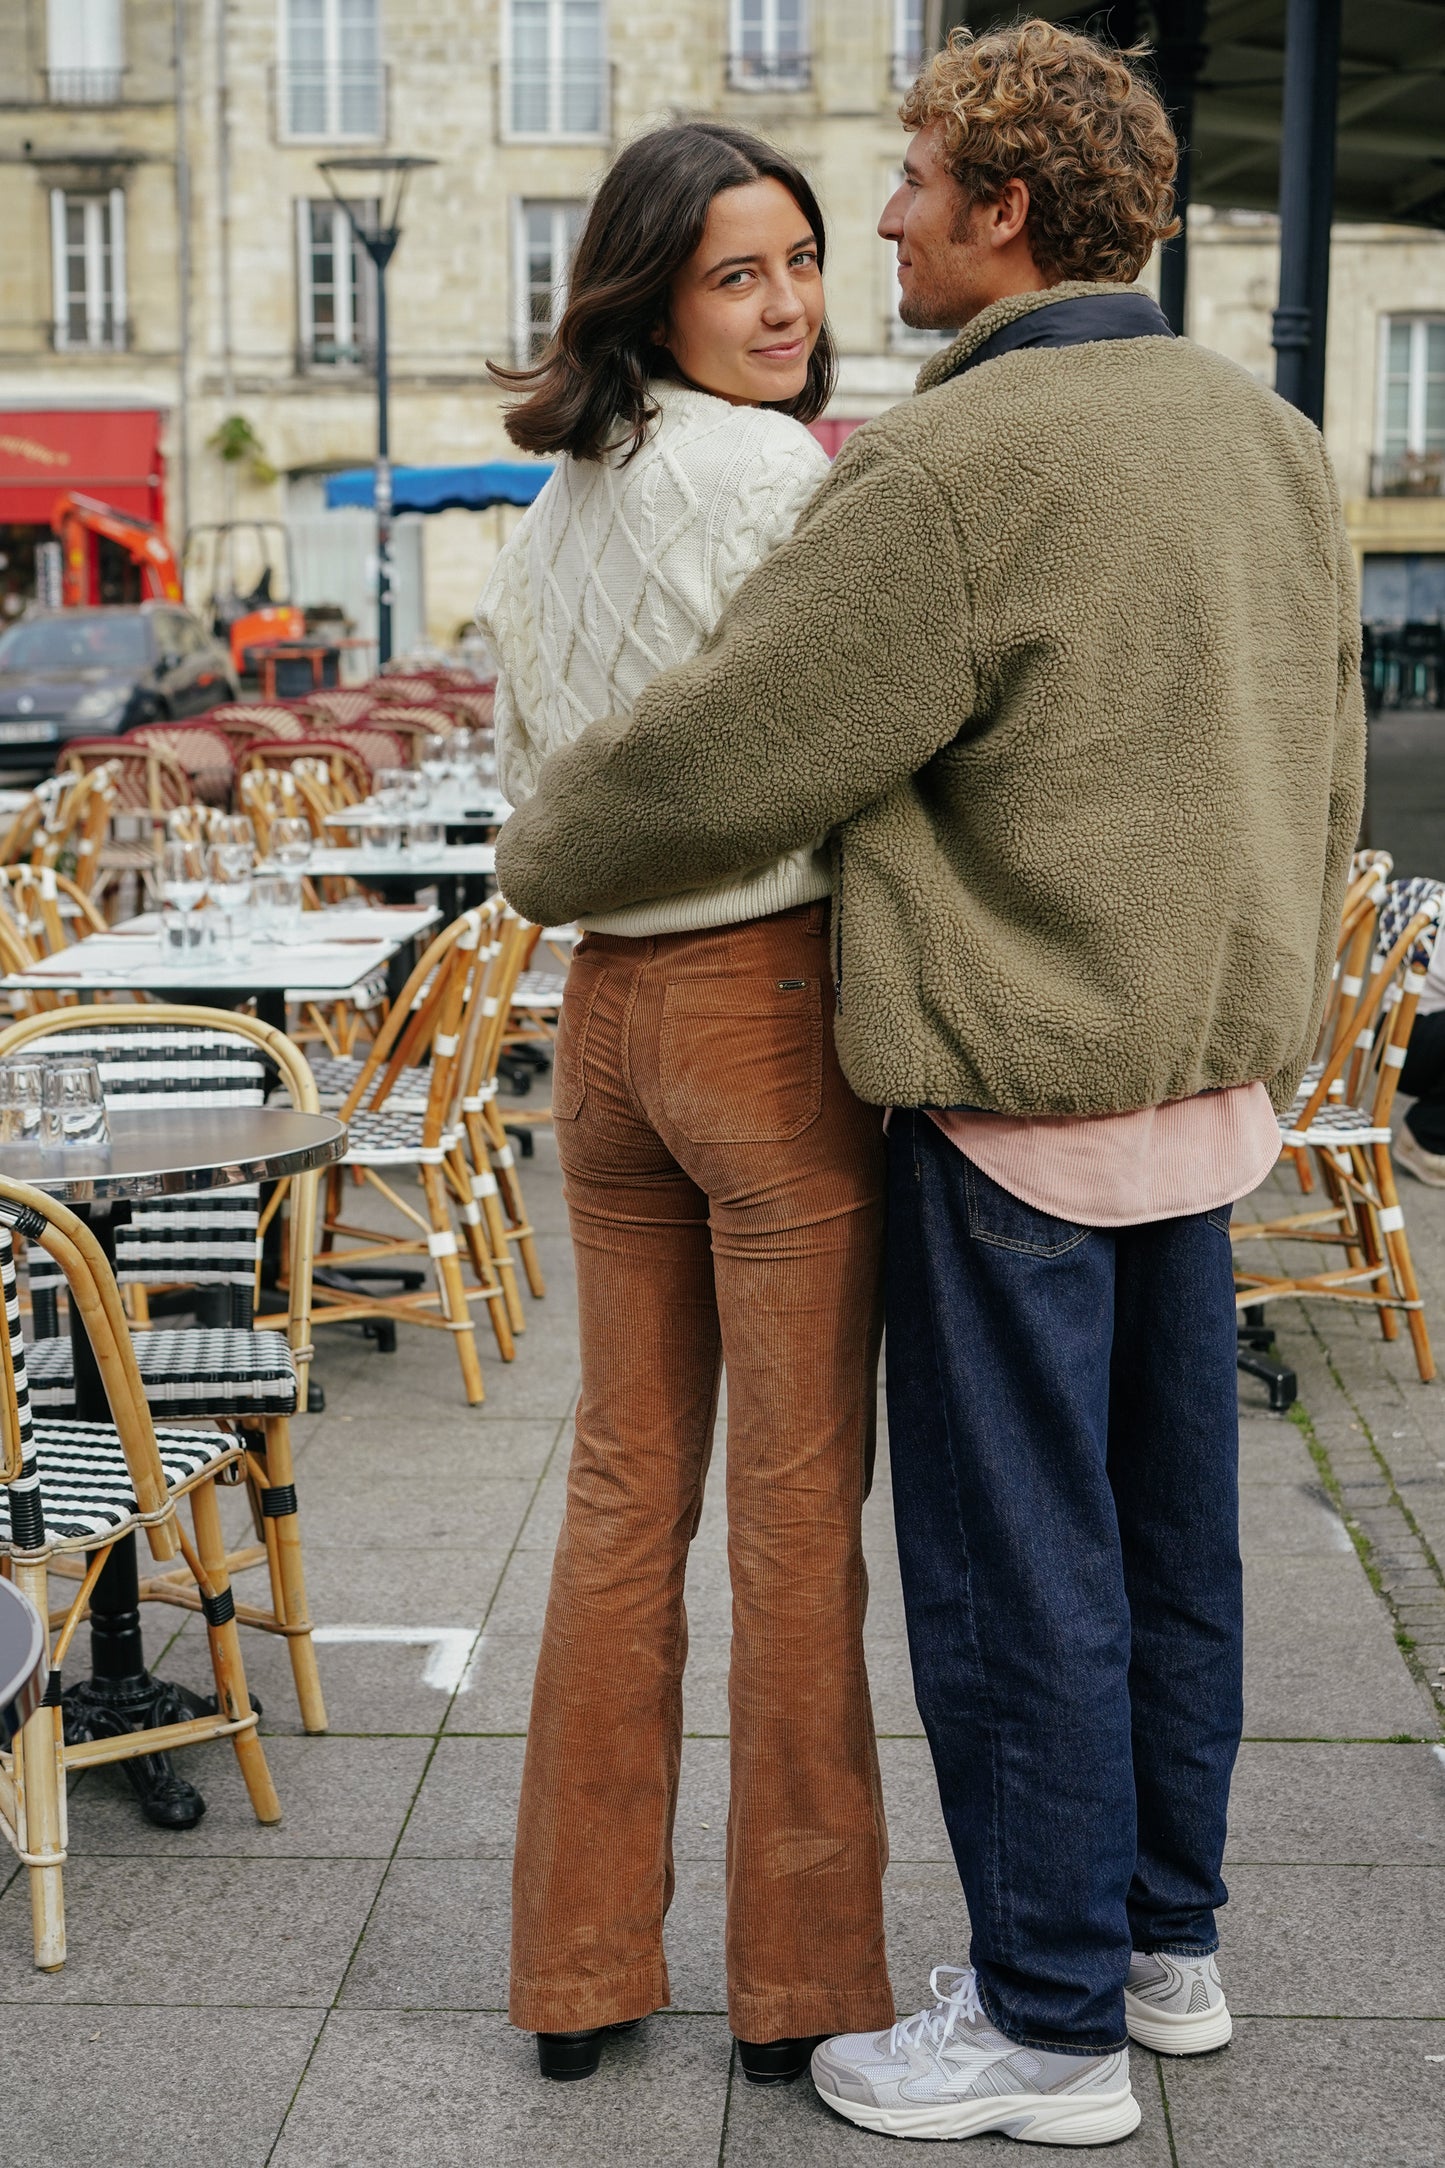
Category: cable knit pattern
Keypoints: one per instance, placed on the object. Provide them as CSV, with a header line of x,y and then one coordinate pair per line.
x,y
618,572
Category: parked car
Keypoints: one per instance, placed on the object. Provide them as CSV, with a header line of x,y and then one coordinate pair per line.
x,y
87,673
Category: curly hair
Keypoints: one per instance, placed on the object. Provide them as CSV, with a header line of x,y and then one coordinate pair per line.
x,y
1069,117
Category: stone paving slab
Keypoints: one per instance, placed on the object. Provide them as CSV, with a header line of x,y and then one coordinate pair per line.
x,y
1336,1941
1352,2095
446,2090
145,2087
269,1933
1306,1804
1320,1655
342,1798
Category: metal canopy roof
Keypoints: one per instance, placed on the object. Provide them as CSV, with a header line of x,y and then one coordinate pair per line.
x,y
1390,151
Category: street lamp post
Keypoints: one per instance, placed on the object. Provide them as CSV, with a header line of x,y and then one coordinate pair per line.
x,y
378,230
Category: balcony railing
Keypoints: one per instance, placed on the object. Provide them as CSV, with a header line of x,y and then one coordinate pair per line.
x,y
84,86
356,358
1408,474
331,105
572,98
103,337
770,71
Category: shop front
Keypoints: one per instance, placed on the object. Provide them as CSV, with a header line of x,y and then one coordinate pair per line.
x,y
111,453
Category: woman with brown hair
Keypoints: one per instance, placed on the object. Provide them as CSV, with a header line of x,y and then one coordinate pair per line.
x,y
724,1185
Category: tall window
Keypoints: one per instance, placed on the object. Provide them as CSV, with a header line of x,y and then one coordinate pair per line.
x,y
907,41
1411,437
546,235
83,56
331,74
555,77
335,297
769,45
87,253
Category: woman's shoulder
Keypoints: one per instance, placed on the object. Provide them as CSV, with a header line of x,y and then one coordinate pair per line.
x,y
697,429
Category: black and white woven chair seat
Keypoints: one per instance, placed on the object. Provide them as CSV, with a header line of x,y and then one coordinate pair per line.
x,y
335,1075
392,1137
1335,1126
539,990
193,1370
85,1491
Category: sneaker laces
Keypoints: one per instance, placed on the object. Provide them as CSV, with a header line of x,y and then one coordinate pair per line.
x,y
953,2006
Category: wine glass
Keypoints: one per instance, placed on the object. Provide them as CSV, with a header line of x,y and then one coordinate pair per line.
x,y
185,872
435,758
291,842
389,788
232,870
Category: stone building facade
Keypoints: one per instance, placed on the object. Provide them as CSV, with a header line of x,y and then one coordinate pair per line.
x,y
169,248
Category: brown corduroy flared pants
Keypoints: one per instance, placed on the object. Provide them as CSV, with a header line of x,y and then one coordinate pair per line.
x,y
726,1199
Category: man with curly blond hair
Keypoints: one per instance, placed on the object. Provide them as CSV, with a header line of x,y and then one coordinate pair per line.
x,y
1064,659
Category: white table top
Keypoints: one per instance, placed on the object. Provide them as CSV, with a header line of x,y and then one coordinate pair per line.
x,y
349,944
450,808
436,860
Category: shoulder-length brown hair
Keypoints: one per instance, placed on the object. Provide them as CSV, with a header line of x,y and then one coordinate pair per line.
x,y
590,390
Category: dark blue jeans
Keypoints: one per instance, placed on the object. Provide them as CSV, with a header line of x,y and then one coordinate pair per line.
x,y
1063,1425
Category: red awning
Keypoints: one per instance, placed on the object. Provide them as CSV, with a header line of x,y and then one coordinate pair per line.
x,y
110,453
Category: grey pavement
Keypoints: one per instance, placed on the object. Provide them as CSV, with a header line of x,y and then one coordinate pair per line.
x,y
332,1991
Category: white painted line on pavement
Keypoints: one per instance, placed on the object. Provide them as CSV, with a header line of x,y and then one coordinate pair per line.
x,y
450,1647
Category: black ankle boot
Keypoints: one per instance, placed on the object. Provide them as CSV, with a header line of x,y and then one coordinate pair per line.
x,y
776,2062
576,2054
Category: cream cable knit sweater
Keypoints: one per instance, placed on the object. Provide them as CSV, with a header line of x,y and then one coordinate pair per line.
x,y
618,572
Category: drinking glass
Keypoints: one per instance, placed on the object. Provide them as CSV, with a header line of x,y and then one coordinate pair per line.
x,y
435,758
72,1104
291,842
184,879
388,788
423,835
21,1098
231,887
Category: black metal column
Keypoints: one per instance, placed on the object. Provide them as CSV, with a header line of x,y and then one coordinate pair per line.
x,y
382,494
1306,201
1181,54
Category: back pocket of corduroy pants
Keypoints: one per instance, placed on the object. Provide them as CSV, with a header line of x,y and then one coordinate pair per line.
x,y
741,1060
569,1073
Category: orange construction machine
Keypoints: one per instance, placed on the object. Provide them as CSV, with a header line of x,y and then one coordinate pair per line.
x,y
85,526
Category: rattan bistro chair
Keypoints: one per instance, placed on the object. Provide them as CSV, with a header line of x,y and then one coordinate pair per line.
x,y
203,1058
75,1488
402,1114
1341,1117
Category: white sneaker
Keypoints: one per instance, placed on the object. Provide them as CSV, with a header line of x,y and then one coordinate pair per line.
x,y
947,2074
1408,1152
1175,2004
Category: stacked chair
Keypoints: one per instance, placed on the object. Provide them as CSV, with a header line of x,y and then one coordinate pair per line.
x,y
251,1380
73,1490
1338,1129
424,1099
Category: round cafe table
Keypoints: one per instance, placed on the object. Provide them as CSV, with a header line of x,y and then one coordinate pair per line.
x,y
174,1153
22,1661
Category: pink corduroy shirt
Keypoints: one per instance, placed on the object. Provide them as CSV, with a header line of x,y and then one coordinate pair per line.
x,y
1119,1170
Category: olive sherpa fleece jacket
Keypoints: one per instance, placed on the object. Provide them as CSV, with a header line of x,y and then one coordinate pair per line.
x,y
1064,656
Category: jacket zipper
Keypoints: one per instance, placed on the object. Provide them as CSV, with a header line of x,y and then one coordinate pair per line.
x,y
838,935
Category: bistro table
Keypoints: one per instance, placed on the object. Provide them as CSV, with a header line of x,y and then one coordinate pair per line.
x,y
22,1661
348,946
459,872
170,1154
449,807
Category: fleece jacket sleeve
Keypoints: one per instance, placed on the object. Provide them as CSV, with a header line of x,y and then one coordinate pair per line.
x,y
841,666
1347,798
